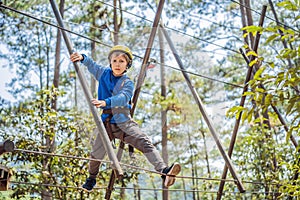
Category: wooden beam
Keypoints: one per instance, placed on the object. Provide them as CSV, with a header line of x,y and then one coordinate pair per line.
x,y
205,115
102,132
139,84
242,102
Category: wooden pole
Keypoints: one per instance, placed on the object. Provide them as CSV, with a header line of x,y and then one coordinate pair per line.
x,y
103,134
242,102
163,112
280,31
140,81
142,73
293,140
205,115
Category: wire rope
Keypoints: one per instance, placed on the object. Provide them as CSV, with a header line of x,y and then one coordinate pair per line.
x,y
59,155
111,31
175,30
74,157
54,25
104,44
137,188
133,167
197,38
105,161
203,76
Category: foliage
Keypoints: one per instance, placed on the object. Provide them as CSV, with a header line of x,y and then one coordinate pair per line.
x,y
275,91
27,124
263,152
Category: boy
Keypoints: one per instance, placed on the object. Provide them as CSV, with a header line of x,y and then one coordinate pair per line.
x,y
114,94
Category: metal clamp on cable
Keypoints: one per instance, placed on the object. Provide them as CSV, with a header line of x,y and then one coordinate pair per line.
x,y
152,60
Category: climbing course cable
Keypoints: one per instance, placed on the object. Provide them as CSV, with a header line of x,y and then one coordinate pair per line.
x,y
104,44
97,41
136,188
127,166
108,162
50,24
166,66
203,76
175,30
59,155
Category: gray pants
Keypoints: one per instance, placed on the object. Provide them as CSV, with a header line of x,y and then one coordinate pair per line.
x,y
133,136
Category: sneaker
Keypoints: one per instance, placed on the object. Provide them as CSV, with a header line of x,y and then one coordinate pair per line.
x,y
89,184
171,172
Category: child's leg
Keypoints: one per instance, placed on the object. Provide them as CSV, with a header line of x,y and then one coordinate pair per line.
x,y
139,140
98,152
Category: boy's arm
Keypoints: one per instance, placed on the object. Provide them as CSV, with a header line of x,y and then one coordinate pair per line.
x,y
122,97
92,66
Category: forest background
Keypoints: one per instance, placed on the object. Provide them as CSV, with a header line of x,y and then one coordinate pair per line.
x,y
46,111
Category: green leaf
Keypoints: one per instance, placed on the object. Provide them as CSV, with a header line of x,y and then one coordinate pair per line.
x,y
245,34
271,38
272,65
285,37
288,5
250,113
268,99
52,114
252,53
248,93
257,120
236,110
252,29
246,46
253,62
259,72
244,116
260,90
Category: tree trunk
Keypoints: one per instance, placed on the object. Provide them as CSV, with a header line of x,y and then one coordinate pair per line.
x,y
93,50
192,165
116,26
249,20
155,195
57,57
39,56
47,193
164,130
244,22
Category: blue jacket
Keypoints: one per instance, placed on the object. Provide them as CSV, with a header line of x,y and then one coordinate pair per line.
x,y
115,91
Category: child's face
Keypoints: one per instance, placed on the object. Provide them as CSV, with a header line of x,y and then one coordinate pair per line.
x,y
118,64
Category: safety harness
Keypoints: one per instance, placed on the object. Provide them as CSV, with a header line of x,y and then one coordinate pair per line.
x,y
107,124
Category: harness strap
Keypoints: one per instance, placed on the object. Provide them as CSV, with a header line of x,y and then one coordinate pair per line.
x,y
117,110
111,112
109,130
